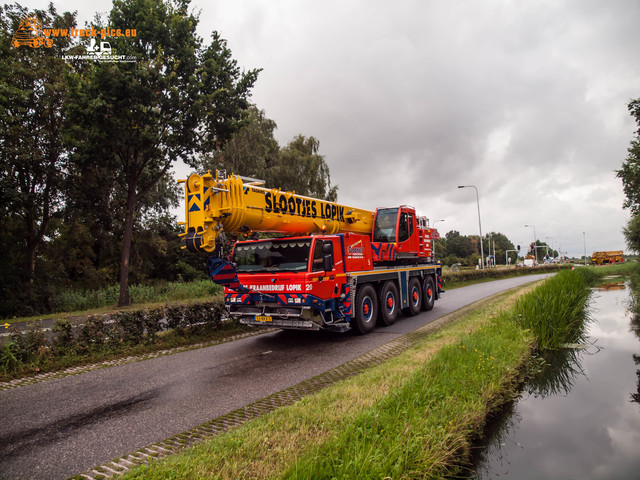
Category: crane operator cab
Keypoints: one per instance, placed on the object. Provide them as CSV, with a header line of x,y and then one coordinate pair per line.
x,y
398,234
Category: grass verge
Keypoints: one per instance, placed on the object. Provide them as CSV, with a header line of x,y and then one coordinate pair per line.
x,y
414,413
90,302
414,416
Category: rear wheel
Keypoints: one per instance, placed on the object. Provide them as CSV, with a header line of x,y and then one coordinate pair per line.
x,y
366,310
415,297
429,294
388,303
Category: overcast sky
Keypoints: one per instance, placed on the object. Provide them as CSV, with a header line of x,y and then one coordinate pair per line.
x,y
526,100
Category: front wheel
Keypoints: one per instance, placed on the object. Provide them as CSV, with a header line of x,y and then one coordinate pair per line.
x,y
366,310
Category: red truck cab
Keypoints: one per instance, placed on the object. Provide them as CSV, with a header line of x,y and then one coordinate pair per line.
x,y
297,280
398,235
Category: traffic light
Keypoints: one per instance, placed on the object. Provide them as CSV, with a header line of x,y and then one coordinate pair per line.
x,y
518,247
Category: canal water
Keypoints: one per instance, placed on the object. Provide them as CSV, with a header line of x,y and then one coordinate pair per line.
x,y
579,418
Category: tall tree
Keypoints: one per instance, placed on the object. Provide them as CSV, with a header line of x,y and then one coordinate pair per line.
x,y
254,152
459,245
501,244
630,171
251,152
632,233
175,101
302,169
630,175
33,90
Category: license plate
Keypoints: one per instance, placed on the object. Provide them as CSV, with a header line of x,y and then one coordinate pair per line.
x,y
262,318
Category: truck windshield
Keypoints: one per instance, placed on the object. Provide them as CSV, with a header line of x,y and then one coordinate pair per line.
x,y
385,227
272,256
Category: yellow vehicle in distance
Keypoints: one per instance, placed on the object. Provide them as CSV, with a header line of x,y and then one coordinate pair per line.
x,y
606,258
29,33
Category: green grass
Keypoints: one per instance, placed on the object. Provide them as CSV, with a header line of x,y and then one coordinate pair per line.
x,y
77,303
626,269
161,292
415,416
414,413
555,311
423,427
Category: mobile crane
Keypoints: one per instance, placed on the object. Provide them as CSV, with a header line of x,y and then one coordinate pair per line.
x,y
606,258
338,267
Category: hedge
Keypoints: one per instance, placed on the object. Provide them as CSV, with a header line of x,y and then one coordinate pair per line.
x,y
109,333
451,278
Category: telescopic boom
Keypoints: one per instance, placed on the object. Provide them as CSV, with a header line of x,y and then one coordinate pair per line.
x,y
215,206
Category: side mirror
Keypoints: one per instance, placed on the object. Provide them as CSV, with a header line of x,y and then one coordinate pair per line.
x,y
327,263
327,256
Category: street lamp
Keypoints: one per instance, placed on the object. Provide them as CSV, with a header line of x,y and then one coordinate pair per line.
x,y
535,252
479,223
584,236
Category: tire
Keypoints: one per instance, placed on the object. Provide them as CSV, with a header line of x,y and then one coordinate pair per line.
x,y
389,305
428,294
415,297
366,310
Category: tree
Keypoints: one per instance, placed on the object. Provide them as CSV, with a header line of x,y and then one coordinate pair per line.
x,y
303,170
33,90
501,244
630,171
250,152
254,152
630,175
458,245
176,101
632,233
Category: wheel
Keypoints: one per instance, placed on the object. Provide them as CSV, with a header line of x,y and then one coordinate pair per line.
x,y
388,303
415,297
366,310
429,293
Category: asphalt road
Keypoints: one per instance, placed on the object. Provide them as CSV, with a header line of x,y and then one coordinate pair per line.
x,y
59,428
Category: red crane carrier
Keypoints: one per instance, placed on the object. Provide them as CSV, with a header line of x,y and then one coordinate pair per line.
x,y
338,267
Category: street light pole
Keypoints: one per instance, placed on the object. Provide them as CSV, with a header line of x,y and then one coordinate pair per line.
x,y
535,252
584,237
479,222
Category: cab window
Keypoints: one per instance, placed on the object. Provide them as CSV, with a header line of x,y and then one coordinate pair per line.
x,y
403,227
385,226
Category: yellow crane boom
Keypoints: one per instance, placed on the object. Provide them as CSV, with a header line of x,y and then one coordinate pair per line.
x,y
214,206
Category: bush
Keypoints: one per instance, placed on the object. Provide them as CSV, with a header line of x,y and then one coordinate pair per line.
x,y
451,278
109,333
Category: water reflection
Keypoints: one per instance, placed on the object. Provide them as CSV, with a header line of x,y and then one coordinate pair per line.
x,y
575,418
634,309
635,397
559,370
